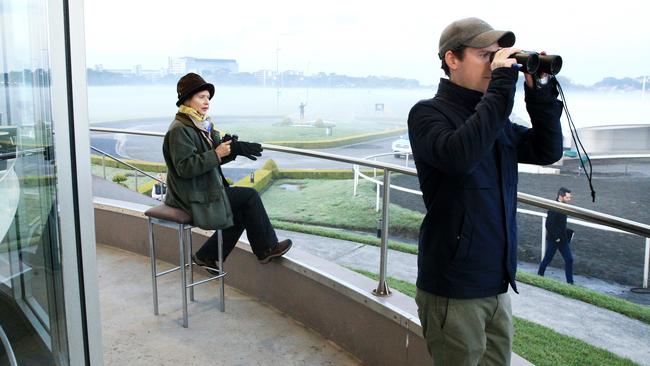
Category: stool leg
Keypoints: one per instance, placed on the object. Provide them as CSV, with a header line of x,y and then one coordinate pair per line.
x,y
154,278
189,259
181,244
221,270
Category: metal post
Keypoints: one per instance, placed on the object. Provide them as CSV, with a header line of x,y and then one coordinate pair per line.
x,y
406,160
377,198
355,168
543,238
181,245
104,165
646,265
382,288
189,259
222,279
154,280
136,180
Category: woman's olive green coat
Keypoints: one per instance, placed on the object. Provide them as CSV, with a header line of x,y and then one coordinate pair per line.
x,y
194,181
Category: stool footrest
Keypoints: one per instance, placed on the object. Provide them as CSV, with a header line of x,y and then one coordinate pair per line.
x,y
168,271
206,280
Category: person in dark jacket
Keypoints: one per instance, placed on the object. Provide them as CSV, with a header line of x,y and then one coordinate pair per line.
x,y
558,237
466,152
194,152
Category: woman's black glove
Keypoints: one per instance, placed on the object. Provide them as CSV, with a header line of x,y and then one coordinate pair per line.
x,y
247,149
243,148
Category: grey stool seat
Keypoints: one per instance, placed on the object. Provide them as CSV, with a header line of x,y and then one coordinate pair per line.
x,y
178,219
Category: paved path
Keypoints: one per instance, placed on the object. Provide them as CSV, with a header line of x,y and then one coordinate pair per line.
x,y
248,333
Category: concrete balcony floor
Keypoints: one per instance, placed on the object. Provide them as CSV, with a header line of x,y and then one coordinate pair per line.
x,y
248,333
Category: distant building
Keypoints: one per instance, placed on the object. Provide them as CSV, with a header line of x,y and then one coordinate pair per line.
x,y
265,76
183,65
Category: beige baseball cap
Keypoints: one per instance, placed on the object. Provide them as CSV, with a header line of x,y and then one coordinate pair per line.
x,y
472,32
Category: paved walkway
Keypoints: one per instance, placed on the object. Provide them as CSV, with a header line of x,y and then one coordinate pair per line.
x,y
248,333
597,326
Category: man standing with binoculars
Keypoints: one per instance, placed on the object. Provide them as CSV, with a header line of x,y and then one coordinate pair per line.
x,y
466,152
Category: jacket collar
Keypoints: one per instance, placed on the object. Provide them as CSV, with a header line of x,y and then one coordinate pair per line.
x,y
458,95
185,119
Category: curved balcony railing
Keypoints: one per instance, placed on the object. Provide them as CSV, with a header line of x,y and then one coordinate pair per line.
x,y
587,215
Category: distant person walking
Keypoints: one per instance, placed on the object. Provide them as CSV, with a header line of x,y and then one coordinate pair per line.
x,y
558,237
302,111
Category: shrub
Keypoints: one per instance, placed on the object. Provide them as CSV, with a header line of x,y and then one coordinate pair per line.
x,y
120,179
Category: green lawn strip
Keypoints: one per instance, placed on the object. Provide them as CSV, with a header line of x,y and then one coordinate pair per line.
x,y
538,344
279,133
330,203
342,141
612,303
342,235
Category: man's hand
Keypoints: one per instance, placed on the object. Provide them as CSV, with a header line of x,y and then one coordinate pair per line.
x,y
247,149
223,149
502,58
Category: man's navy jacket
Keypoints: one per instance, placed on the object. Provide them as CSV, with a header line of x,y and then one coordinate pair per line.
x,y
466,152
556,230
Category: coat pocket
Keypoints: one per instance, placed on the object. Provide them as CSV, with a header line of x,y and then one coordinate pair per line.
x,y
463,240
210,211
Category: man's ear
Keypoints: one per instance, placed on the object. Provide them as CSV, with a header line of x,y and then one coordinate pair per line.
x,y
451,60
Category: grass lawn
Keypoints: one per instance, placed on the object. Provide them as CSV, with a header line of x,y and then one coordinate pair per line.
x,y
538,344
265,131
330,203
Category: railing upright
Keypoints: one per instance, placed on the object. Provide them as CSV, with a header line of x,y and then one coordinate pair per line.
x,y
382,288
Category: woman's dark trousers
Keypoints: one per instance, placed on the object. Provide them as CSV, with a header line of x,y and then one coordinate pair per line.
x,y
248,213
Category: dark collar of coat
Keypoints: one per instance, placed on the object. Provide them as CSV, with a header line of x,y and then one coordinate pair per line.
x,y
458,95
185,119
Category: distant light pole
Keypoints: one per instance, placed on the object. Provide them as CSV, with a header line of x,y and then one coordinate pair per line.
x,y
277,75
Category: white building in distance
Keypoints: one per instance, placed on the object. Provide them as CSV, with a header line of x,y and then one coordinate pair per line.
x,y
183,65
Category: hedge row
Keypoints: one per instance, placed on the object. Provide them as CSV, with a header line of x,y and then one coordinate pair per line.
x,y
323,144
144,165
263,178
317,174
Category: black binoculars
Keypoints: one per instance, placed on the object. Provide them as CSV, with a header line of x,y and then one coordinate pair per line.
x,y
535,64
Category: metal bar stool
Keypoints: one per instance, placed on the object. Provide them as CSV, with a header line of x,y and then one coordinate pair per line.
x,y
178,219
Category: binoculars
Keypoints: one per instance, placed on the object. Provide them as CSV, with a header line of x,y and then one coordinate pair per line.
x,y
535,64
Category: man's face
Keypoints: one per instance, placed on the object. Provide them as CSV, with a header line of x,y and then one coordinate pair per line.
x,y
201,102
473,71
566,198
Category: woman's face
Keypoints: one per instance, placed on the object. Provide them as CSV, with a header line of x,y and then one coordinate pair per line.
x,y
200,102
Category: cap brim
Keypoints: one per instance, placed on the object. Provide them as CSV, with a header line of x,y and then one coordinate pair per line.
x,y
206,86
503,38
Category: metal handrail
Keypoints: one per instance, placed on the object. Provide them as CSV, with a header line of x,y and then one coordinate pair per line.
x,y
127,164
7,346
585,214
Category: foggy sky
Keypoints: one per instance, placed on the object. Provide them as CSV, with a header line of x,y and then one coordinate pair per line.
x,y
360,38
